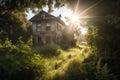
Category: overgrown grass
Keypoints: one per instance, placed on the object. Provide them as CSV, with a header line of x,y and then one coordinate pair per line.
x,y
48,50
71,64
57,65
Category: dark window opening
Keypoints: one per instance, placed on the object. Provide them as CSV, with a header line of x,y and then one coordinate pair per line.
x,y
38,27
48,39
39,40
48,28
57,26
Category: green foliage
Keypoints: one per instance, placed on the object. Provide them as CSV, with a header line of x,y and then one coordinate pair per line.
x,y
28,4
103,35
92,70
54,75
13,25
17,62
104,38
104,29
74,71
80,71
50,50
102,72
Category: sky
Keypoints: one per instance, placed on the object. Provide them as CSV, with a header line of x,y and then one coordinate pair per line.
x,y
64,11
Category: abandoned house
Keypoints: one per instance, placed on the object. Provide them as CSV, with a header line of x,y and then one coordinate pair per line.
x,y
47,28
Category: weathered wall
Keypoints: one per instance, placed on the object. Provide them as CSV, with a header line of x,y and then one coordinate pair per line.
x,y
39,31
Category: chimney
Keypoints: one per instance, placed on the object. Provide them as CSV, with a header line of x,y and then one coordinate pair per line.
x,y
59,16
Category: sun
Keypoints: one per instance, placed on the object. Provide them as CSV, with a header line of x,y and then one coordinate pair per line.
x,y
75,18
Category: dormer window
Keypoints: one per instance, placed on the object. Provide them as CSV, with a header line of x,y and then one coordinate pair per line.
x,y
43,15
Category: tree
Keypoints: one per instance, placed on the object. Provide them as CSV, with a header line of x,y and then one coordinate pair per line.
x,y
20,5
104,29
13,25
18,62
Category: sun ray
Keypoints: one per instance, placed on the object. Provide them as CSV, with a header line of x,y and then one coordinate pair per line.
x,y
76,8
91,7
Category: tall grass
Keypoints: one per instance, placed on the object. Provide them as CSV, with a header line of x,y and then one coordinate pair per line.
x,y
48,50
72,64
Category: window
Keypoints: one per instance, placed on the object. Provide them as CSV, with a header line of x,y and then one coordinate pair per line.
x,y
38,27
39,40
48,24
58,27
48,39
47,28
39,24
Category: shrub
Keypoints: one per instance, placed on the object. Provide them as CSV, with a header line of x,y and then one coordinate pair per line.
x,y
50,50
102,72
75,71
78,70
104,36
17,62
54,75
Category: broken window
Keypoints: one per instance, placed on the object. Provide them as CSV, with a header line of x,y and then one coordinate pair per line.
x,y
48,39
48,28
39,40
38,27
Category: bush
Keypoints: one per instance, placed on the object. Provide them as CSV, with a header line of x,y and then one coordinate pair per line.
x,y
75,71
17,62
104,36
102,72
54,75
87,71
50,50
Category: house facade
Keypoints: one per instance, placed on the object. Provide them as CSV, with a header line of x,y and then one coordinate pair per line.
x,y
47,28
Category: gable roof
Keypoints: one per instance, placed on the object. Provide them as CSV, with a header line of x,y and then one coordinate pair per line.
x,y
42,15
